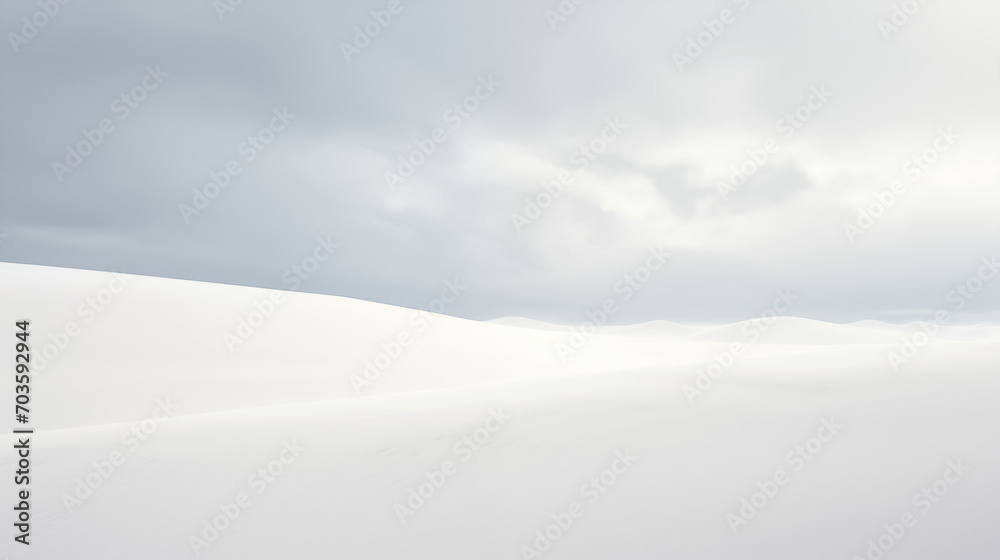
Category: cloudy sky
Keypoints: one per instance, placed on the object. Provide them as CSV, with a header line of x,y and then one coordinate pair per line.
x,y
692,89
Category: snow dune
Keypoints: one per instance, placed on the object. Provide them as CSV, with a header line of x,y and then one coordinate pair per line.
x,y
362,443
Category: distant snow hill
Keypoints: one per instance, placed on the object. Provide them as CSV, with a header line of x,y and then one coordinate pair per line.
x,y
179,419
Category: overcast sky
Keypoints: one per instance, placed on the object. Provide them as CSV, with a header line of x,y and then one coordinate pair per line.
x,y
198,80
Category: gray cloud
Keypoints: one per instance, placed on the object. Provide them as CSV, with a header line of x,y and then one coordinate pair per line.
x,y
324,174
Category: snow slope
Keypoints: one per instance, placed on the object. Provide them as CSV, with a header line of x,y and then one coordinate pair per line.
x,y
360,447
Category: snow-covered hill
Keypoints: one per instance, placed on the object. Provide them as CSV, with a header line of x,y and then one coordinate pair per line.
x,y
392,433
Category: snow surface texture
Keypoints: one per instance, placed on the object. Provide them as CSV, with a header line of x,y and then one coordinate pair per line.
x,y
359,449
